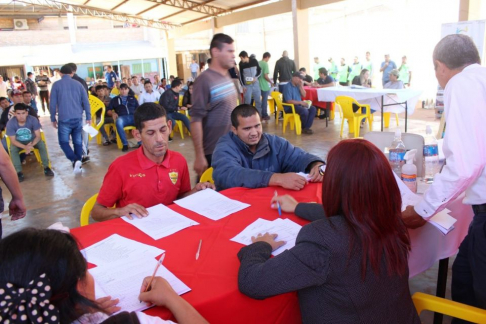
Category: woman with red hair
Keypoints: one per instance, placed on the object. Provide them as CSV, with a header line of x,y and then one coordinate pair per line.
x,y
349,265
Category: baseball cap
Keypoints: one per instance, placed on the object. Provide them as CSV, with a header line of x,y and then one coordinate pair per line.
x,y
297,74
16,93
394,72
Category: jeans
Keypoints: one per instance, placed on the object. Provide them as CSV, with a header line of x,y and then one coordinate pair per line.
x,y
254,90
71,127
44,98
173,116
469,269
306,115
108,120
16,161
281,86
194,75
124,121
265,95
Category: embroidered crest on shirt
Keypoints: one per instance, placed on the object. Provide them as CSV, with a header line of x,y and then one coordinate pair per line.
x,y
173,175
140,175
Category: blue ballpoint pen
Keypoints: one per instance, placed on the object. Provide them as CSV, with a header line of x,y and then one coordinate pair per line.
x,y
278,205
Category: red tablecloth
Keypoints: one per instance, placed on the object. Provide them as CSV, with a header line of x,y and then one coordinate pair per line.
x,y
311,94
213,278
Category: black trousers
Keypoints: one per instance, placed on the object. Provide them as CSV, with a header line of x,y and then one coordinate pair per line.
x,y
44,97
469,269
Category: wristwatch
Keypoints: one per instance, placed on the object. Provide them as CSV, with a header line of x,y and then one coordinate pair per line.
x,y
322,169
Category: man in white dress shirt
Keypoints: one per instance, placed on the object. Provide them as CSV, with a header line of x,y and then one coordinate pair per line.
x,y
149,95
456,61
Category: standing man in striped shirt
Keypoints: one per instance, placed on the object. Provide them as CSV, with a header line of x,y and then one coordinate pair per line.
x,y
214,98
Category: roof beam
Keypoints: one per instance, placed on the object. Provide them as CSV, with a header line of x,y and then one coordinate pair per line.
x,y
120,4
94,12
192,6
148,9
181,11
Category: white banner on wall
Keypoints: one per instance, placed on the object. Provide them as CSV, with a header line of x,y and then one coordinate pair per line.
x,y
474,29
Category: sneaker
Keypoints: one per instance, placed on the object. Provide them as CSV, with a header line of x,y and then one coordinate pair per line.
x,y
77,167
48,172
113,141
307,131
170,139
125,148
106,143
20,175
85,159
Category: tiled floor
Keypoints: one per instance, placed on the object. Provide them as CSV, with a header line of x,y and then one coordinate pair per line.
x,y
61,198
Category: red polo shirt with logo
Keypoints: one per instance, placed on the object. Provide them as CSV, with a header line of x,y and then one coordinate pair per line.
x,y
133,178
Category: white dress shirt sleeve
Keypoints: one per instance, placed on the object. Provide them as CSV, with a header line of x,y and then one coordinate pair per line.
x,y
464,144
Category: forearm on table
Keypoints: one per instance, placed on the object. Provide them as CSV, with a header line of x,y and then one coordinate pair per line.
x,y
101,213
184,312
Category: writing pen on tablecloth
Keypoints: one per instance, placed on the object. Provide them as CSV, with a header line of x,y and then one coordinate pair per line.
x,y
278,205
198,249
155,272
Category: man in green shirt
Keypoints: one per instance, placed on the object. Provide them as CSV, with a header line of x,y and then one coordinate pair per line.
x,y
355,69
265,84
316,67
332,69
405,72
343,71
368,64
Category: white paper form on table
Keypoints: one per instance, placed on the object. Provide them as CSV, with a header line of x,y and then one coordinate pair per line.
x,y
286,230
124,282
211,204
161,222
442,220
306,176
116,248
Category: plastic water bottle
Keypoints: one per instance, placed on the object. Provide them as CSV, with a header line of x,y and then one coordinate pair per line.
x,y
397,153
431,155
409,171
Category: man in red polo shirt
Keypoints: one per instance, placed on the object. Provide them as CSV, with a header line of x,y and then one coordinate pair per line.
x,y
148,176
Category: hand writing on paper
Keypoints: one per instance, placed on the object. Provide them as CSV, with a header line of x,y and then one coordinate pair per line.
x,y
287,203
133,209
268,238
412,219
108,305
159,293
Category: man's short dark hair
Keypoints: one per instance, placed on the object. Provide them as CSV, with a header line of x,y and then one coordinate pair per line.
x,y
147,82
302,69
243,54
175,83
21,106
99,87
323,71
218,41
108,67
124,86
73,67
148,111
171,77
134,77
456,51
25,91
243,110
29,74
66,69
208,61
104,86
3,98
266,54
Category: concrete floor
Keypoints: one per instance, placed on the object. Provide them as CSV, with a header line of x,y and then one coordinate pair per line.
x,y
61,198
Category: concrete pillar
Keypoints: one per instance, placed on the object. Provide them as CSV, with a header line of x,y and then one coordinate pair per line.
x,y
469,10
72,28
300,22
214,28
171,54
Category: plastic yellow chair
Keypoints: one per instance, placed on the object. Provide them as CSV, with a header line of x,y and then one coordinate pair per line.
x,y
289,118
354,118
386,119
115,91
207,176
179,127
86,211
271,106
118,140
448,307
36,151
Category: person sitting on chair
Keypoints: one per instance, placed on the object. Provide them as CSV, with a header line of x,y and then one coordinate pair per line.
x,y
247,157
394,83
170,101
363,79
148,176
122,108
24,133
349,264
292,94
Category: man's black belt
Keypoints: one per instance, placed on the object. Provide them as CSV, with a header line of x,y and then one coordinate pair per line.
x,y
479,209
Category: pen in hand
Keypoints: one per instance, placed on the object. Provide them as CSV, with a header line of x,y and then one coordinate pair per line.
x,y
278,205
155,272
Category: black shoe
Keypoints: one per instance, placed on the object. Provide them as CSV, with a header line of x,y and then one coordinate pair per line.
x,y
307,131
48,172
125,148
20,175
106,143
170,139
85,159
113,141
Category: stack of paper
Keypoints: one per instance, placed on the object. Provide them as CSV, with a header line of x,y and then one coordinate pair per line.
x,y
286,230
161,222
122,264
211,204
442,220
